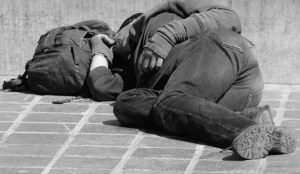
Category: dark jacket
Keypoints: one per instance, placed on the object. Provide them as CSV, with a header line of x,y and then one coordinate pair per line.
x,y
192,17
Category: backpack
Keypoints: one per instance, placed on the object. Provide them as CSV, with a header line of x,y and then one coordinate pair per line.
x,y
60,63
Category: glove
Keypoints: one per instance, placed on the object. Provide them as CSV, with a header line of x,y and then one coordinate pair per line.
x,y
155,51
100,44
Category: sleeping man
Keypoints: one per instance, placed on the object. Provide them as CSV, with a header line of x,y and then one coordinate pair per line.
x,y
185,68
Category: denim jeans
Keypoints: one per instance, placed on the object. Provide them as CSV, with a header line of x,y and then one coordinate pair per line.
x,y
209,79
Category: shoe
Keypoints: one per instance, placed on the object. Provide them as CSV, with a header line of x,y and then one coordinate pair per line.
x,y
254,142
259,140
284,140
260,115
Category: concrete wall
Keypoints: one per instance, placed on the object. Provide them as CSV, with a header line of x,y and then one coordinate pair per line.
x,y
273,25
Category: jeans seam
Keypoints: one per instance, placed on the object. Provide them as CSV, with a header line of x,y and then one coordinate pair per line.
x,y
249,98
227,44
253,70
191,114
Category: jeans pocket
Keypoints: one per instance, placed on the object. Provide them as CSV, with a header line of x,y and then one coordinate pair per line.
x,y
252,99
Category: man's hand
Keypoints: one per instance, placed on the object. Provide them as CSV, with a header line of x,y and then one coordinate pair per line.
x,y
105,39
149,61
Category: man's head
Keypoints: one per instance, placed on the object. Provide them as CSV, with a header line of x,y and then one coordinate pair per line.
x,y
123,48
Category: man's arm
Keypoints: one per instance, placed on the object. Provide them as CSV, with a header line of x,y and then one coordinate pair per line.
x,y
198,15
102,83
178,31
209,9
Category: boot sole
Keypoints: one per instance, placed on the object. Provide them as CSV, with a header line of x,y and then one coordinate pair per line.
x,y
284,141
255,142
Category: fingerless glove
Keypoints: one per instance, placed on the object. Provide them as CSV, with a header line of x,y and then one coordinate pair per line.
x,y
99,47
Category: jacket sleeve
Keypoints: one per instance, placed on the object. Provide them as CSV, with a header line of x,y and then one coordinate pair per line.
x,y
104,85
198,15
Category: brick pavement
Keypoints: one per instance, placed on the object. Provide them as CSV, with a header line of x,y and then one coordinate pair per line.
x,y
85,137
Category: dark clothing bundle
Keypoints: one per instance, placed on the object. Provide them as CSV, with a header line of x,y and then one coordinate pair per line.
x,y
184,19
211,76
61,60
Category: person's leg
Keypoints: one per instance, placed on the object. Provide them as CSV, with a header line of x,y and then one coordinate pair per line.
x,y
133,107
187,105
246,91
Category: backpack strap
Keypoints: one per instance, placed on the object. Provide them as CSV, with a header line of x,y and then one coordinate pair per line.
x,y
19,83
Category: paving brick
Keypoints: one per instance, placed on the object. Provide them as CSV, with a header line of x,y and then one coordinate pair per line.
x,y
51,98
165,142
291,123
106,140
51,139
70,126
221,172
103,152
156,164
291,157
143,171
68,108
35,150
294,96
8,116
293,105
272,103
274,113
21,170
207,166
15,97
96,128
295,114
12,107
282,167
84,162
272,94
24,161
100,118
164,153
104,109
42,127
297,134
50,117
79,171
211,153
4,126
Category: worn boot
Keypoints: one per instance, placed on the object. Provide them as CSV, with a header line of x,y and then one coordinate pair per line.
x,y
260,115
284,141
259,139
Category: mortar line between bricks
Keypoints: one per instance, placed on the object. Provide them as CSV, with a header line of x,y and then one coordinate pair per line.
x,y
66,113
71,138
125,158
280,112
195,159
19,119
261,166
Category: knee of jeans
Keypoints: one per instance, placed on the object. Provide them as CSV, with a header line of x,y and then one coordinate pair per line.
x,y
119,111
161,111
134,105
121,106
